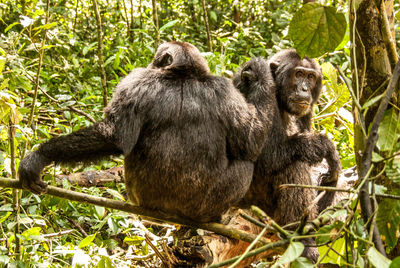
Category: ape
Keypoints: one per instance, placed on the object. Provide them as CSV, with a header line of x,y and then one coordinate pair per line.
x,y
291,146
189,138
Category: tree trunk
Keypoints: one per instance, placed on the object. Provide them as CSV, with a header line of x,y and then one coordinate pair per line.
x,y
372,59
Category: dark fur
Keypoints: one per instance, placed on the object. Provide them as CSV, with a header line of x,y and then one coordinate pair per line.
x,y
188,137
291,146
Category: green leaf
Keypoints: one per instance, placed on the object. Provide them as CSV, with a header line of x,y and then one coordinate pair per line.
x,y
2,63
10,26
387,131
377,259
332,257
317,29
168,25
302,263
213,16
100,212
372,101
293,251
87,241
88,48
395,263
105,262
115,194
388,221
134,240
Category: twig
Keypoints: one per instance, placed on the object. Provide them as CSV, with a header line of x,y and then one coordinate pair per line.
x,y
278,244
217,228
205,16
261,214
61,233
156,251
249,247
256,222
335,189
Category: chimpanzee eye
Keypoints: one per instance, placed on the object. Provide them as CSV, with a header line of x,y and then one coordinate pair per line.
x,y
299,74
311,76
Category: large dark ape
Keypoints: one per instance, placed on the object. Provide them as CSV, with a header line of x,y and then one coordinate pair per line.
x,y
188,137
291,146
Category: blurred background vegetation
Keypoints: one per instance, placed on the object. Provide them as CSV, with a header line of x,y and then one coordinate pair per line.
x,y
78,76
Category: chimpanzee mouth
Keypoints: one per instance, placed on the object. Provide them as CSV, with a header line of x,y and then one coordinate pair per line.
x,y
302,104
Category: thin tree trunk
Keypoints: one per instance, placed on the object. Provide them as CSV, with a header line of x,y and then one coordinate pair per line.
x,y
155,19
131,33
100,52
16,197
140,20
205,16
41,52
128,26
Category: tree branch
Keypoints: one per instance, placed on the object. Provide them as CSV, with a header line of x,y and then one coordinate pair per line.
x,y
127,207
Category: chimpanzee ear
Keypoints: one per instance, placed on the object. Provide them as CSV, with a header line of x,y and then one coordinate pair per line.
x,y
164,60
273,65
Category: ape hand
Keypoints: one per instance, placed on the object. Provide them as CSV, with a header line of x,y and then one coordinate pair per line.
x,y
29,173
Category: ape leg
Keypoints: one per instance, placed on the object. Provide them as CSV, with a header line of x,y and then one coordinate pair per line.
x,y
292,202
88,144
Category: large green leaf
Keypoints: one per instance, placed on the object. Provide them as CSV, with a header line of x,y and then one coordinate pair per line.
x,y
377,259
387,131
293,251
388,221
302,263
317,29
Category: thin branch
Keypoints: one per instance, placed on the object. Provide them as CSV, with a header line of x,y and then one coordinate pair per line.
x,y
100,52
335,189
205,16
278,244
217,228
249,247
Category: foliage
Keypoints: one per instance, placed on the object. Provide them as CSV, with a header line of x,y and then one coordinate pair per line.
x,y
69,89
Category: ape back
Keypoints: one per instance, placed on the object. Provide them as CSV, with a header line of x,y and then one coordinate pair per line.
x,y
188,137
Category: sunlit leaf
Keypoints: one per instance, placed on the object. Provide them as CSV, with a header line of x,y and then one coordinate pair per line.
x,y
317,29
377,259
134,240
387,132
87,241
168,25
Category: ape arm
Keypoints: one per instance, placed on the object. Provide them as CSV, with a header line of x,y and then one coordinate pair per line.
x,y
247,127
86,145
